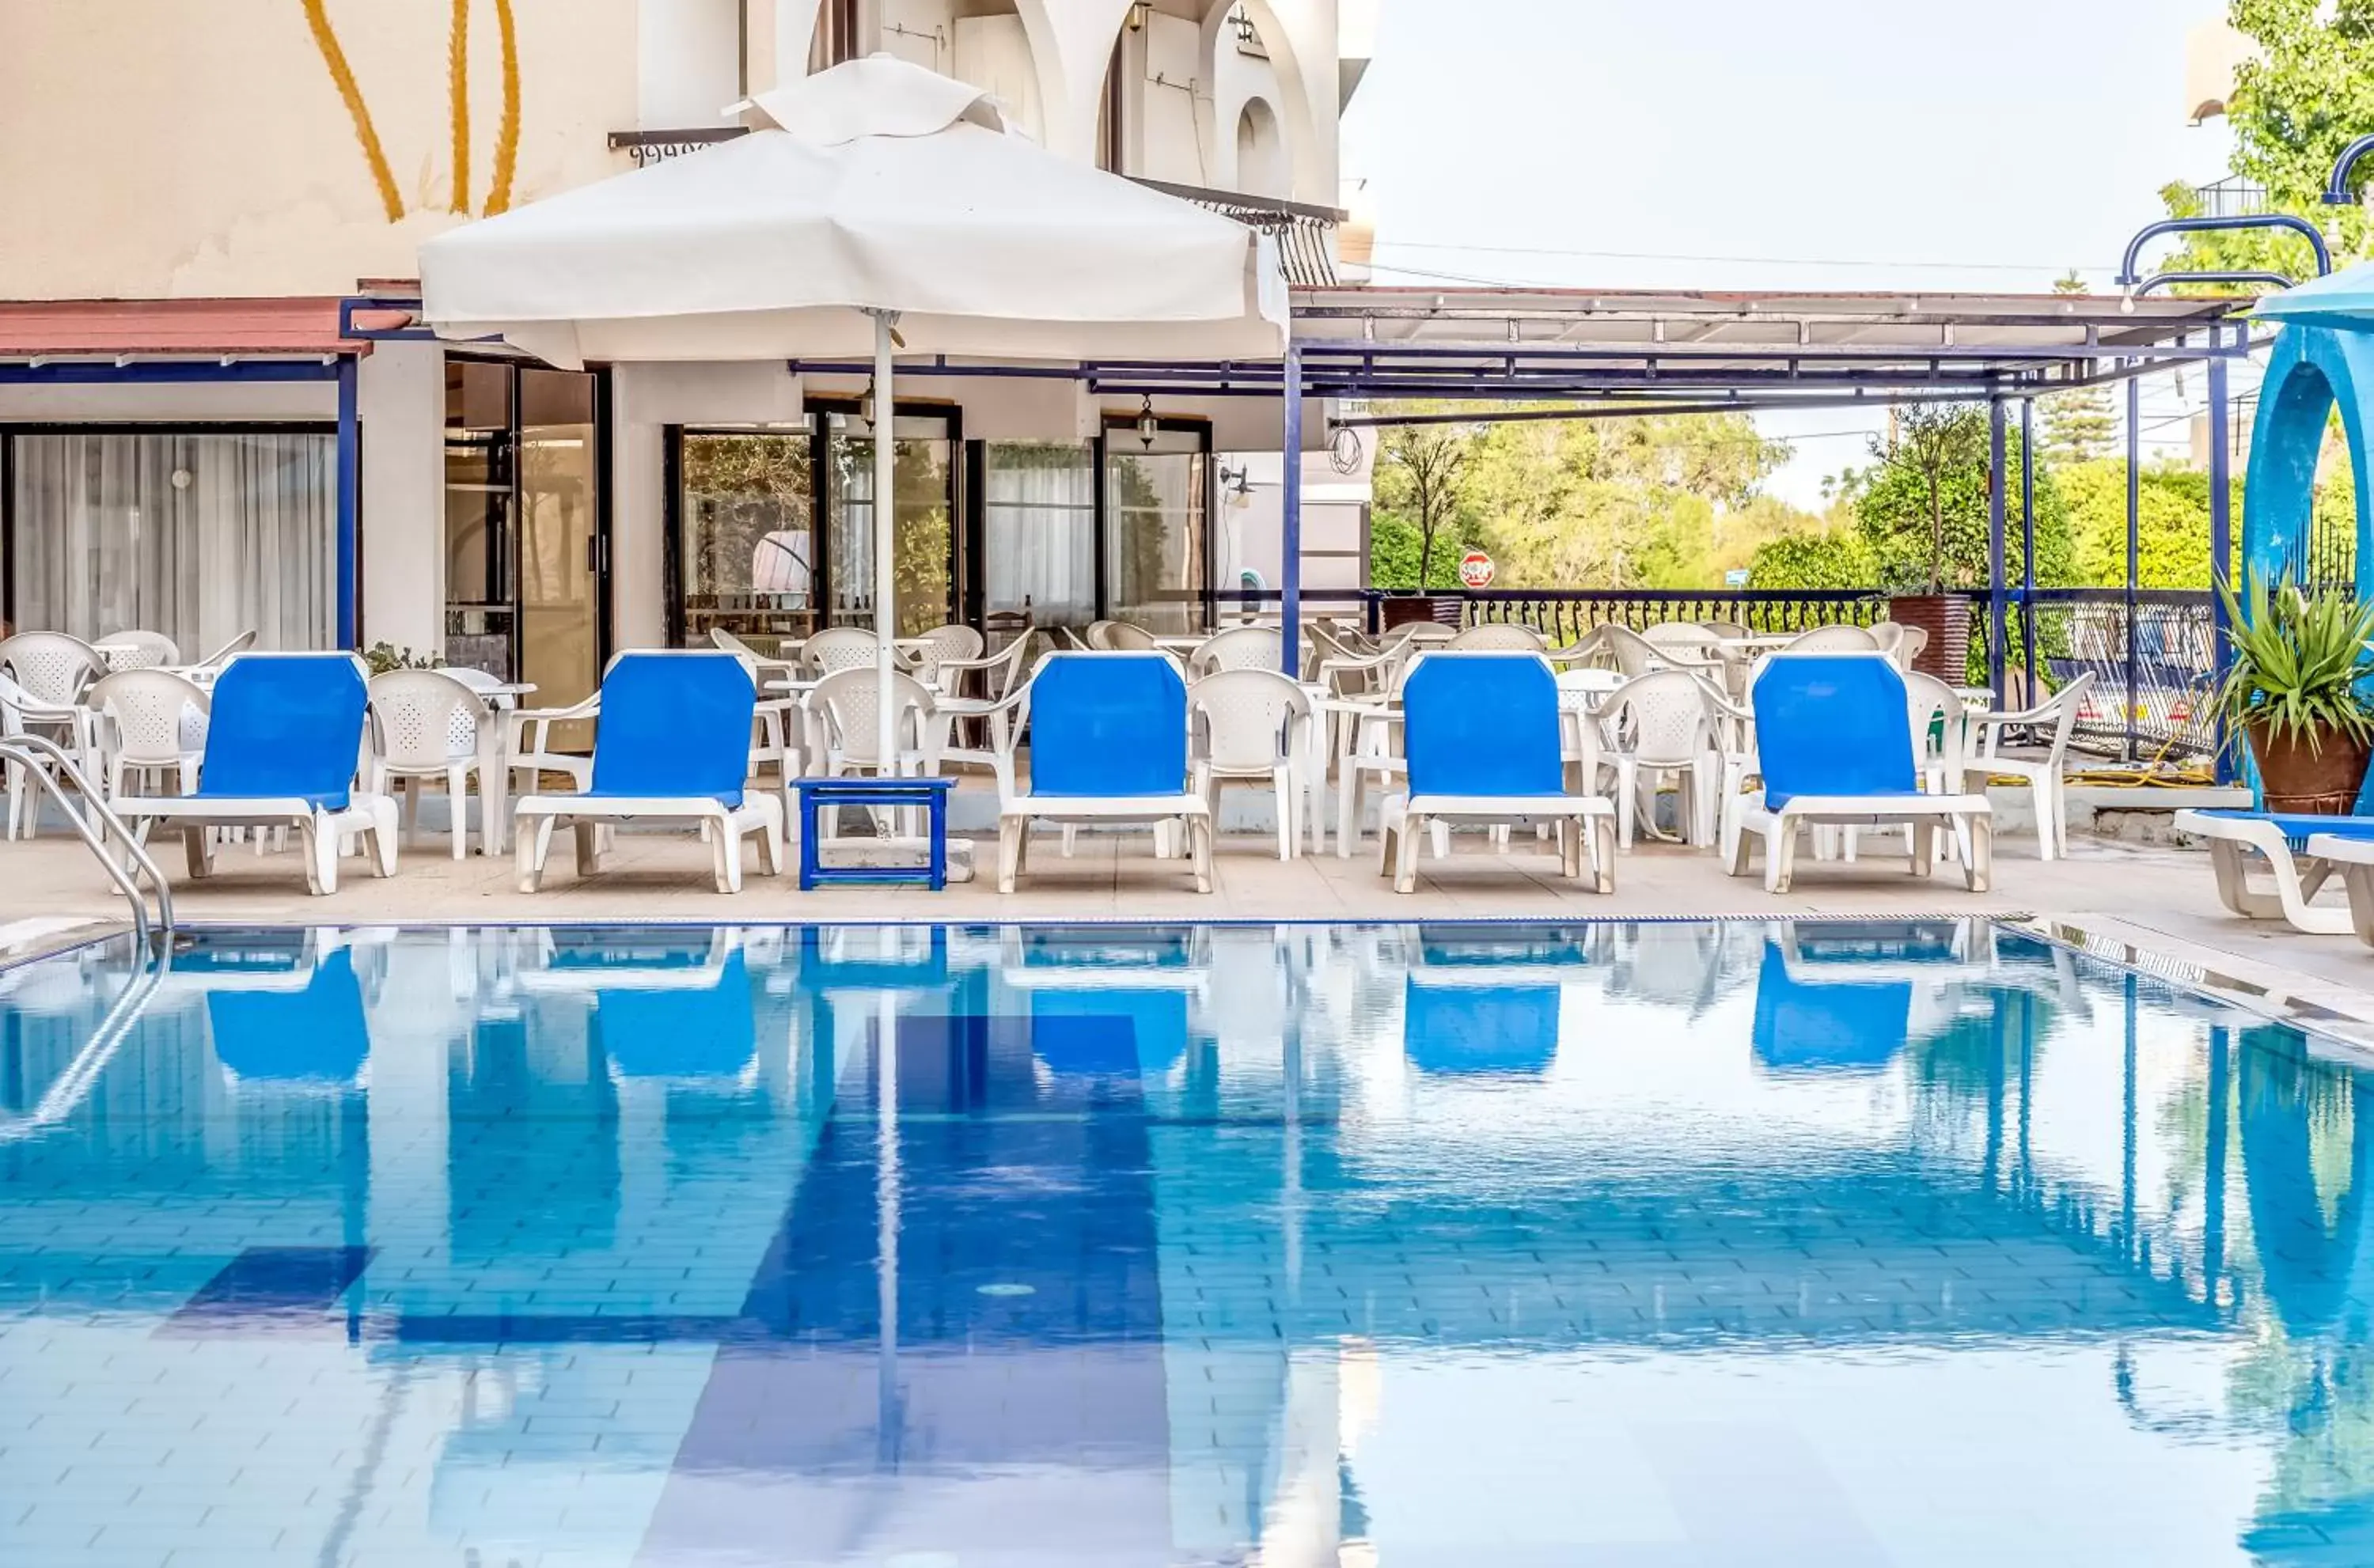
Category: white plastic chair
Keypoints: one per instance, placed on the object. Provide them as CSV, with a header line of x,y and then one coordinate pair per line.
x,y
432,725
1659,728
52,667
1121,637
227,651
1888,637
837,648
1834,639
2042,775
149,721
845,735
1498,636
1252,725
1238,647
70,725
137,651
1000,671
1092,636
949,645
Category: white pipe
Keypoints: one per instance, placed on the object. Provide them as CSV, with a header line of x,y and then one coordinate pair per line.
x,y
885,420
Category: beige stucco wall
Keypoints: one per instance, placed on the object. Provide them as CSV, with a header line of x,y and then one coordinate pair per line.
x,y
186,147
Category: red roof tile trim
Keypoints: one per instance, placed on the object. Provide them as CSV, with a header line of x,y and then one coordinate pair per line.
x,y
283,327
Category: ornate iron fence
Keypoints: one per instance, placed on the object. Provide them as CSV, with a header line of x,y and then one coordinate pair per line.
x,y
2152,684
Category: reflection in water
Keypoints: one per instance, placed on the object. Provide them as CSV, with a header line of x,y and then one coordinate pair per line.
x,y
1849,1242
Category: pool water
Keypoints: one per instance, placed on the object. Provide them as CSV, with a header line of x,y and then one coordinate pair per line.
x,y
1839,1244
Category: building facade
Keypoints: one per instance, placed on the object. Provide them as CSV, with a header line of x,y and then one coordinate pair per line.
x,y
180,336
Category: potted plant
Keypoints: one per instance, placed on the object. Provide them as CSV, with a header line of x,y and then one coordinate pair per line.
x,y
2298,689
1931,472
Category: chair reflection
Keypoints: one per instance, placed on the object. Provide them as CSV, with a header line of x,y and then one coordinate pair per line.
x,y
666,1005
1485,1004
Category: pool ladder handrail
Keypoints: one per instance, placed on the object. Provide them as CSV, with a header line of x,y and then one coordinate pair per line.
x,y
37,755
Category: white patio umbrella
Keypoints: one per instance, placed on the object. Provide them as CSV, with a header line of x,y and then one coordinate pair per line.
x,y
875,207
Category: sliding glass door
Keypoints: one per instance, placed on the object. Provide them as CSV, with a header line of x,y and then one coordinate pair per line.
x,y
525,541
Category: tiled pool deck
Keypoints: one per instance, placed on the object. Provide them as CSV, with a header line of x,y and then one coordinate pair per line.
x,y
2158,904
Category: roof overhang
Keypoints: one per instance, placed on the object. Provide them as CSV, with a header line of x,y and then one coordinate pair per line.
x,y
71,339
1566,343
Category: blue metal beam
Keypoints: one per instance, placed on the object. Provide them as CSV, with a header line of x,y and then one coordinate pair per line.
x,y
168,372
2028,549
1998,600
2221,551
350,500
1291,522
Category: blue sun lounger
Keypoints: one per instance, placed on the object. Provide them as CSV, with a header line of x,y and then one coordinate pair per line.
x,y
671,742
284,741
1834,744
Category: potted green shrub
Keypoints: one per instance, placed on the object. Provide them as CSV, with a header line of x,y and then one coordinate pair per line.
x,y
2299,690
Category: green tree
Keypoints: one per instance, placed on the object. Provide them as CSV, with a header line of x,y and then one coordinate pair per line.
x,y
1922,479
1921,509
2078,425
2293,110
1834,557
1651,502
1421,480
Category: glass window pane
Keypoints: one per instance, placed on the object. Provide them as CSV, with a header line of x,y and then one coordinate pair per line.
x,y
197,535
1155,564
559,585
479,461
925,474
746,535
1039,516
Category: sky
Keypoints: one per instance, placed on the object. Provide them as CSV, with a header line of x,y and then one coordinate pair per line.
x,y
1817,143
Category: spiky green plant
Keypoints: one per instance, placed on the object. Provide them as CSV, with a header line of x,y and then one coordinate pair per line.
x,y
2301,661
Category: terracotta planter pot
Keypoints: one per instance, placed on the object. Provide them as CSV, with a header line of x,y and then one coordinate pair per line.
x,y
1946,619
2294,780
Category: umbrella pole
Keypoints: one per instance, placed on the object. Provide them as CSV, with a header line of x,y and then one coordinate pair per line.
x,y
885,528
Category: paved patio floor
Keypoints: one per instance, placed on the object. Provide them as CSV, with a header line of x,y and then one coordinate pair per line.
x,y
2160,903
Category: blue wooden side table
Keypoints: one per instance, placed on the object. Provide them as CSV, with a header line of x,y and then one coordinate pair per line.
x,y
903,794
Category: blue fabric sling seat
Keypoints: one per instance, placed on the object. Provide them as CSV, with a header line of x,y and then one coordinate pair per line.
x,y
284,741
1834,744
1108,745
2299,855
671,742
1481,732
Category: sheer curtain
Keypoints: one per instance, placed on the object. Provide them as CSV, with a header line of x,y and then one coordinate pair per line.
x,y
1039,515
198,536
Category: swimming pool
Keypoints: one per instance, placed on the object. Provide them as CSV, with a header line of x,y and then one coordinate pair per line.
x,y
1840,1243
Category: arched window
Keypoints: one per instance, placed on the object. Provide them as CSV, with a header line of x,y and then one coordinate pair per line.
x,y
1261,152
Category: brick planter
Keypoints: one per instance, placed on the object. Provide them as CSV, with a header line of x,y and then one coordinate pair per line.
x,y
1946,619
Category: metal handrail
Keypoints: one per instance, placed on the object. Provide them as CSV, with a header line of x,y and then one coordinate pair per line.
x,y
29,752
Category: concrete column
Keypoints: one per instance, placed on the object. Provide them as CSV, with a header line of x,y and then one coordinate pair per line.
x,y
401,393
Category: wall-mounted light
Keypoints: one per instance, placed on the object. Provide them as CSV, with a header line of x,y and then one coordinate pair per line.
x,y
1236,486
1138,12
1148,427
866,404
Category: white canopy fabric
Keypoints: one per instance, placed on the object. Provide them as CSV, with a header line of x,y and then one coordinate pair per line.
x,y
875,207
875,185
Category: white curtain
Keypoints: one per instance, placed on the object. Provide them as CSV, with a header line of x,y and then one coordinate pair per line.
x,y
198,536
1039,514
